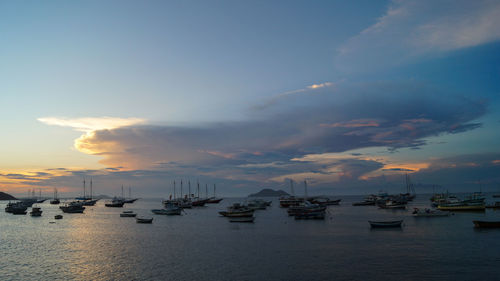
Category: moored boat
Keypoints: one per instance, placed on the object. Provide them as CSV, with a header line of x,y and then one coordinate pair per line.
x,y
429,213
486,224
58,217
36,212
115,203
310,215
128,214
382,224
143,220
74,207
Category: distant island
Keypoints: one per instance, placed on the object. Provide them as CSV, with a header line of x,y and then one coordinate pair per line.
x,y
5,196
269,193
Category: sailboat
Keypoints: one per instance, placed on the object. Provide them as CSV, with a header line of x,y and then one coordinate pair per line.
x,y
287,201
56,200
88,201
214,199
130,199
197,201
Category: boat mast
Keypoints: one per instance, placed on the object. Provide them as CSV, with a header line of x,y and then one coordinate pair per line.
x,y
181,189
122,191
206,190
84,188
174,191
189,189
305,189
214,190
198,183
91,188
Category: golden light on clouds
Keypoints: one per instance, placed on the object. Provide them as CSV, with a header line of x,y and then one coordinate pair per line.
x,y
89,124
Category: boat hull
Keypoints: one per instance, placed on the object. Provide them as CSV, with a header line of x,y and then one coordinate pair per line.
x,y
486,224
385,224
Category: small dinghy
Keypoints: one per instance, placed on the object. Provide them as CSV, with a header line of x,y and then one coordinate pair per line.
x,y
144,220
128,214
380,224
58,217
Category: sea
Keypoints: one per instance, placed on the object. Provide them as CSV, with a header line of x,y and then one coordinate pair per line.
x,y
201,245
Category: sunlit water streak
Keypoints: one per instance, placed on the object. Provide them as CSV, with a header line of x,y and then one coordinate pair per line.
x,y
200,245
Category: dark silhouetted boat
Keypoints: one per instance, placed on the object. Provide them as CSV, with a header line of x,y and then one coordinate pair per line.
x,y
58,217
144,220
486,224
380,224
36,212
115,203
56,200
74,207
128,214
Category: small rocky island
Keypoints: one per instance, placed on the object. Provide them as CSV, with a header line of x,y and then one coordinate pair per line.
x,y
269,193
5,196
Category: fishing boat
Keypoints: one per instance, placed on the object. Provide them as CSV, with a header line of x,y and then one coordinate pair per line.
x,y
11,206
128,214
74,207
237,210
381,224
36,212
325,201
115,203
143,220
170,210
304,208
429,213
288,201
486,224
242,219
58,217
389,204
19,209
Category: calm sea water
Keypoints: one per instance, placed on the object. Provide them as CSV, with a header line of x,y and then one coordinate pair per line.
x,y
200,245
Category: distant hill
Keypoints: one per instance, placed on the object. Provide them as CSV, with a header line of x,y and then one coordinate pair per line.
x,y
5,196
269,193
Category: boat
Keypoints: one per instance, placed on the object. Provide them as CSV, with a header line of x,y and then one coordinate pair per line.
x,y
128,214
257,204
237,210
486,224
15,206
364,203
58,217
242,219
74,207
115,203
214,199
143,220
56,200
325,201
495,205
89,202
36,212
288,201
429,213
389,204
170,210
304,208
381,224
310,215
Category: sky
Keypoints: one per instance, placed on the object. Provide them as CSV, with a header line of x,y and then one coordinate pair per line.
x,y
347,95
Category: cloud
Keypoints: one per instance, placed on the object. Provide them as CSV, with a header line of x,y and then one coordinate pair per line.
x,y
89,124
412,29
266,147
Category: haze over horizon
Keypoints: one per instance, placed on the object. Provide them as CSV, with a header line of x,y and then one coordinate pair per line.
x,y
248,95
